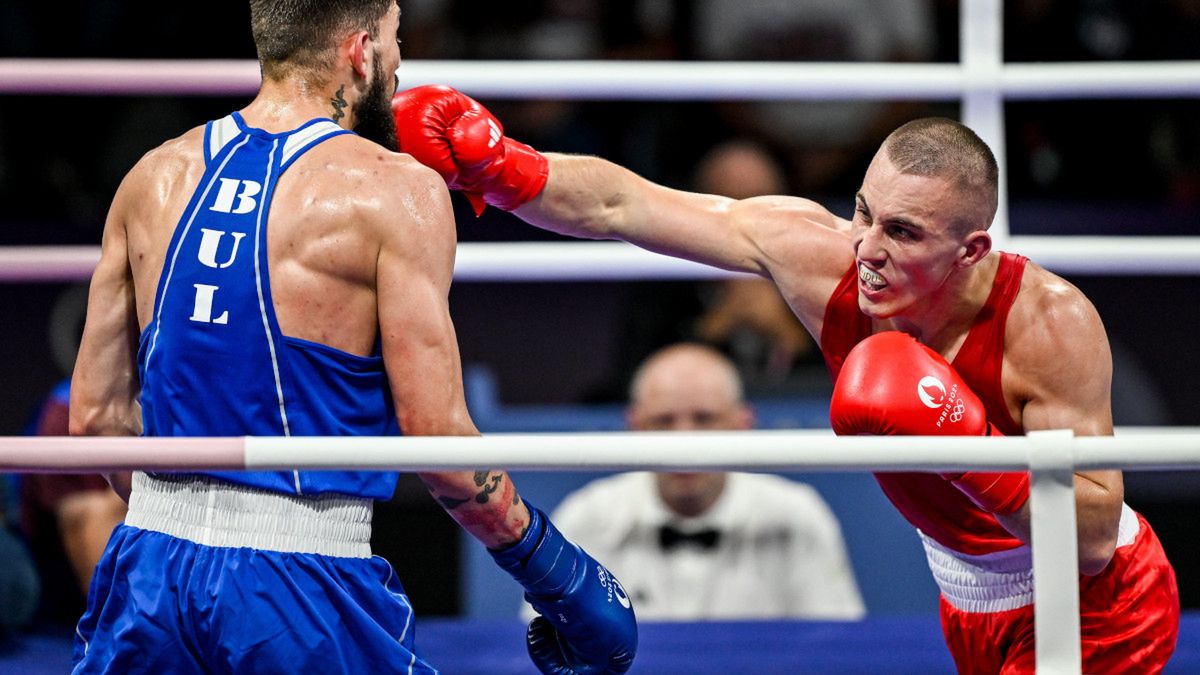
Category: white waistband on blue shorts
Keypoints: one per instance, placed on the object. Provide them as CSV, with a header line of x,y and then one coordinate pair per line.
x,y
217,513
1000,581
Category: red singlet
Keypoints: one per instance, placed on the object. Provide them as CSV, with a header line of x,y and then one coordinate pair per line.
x,y
927,501
1129,613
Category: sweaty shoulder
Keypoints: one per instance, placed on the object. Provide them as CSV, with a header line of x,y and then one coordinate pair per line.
x,y
377,185
150,201
804,247
1056,348
168,173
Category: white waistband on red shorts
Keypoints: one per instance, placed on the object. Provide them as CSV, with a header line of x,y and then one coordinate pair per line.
x,y
215,513
1000,581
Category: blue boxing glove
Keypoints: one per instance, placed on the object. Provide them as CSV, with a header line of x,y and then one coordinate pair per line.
x,y
587,626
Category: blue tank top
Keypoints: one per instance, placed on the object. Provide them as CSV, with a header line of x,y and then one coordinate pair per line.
x,y
212,359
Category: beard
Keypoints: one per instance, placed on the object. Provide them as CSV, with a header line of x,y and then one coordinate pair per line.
x,y
373,114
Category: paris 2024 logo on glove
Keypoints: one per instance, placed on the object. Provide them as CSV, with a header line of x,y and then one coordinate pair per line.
x,y
933,394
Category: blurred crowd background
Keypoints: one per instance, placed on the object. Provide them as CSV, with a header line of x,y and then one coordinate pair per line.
x,y
1108,167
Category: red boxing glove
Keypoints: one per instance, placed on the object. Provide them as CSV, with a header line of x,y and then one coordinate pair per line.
x,y
892,385
454,135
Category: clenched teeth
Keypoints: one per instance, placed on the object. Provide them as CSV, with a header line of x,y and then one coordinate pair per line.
x,y
870,278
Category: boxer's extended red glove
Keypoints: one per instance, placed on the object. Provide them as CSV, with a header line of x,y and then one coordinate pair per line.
x,y
892,385
454,135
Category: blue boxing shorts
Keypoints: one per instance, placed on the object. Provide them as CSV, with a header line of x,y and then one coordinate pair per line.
x,y
209,577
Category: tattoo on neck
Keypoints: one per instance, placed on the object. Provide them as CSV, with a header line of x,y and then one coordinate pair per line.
x,y
339,104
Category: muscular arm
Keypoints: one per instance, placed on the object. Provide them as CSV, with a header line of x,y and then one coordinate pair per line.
x,y
1066,366
420,350
105,384
592,198
796,242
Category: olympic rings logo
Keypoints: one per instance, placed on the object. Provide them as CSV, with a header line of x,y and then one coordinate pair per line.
x,y
959,409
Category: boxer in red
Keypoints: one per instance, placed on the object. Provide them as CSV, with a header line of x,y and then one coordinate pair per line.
x,y
943,324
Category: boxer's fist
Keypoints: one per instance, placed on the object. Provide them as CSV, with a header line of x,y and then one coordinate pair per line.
x,y
891,384
454,135
587,625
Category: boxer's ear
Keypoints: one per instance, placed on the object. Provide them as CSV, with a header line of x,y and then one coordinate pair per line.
x,y
975,247
354,49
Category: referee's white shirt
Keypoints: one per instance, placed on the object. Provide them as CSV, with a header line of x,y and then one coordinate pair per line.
x,y
780,552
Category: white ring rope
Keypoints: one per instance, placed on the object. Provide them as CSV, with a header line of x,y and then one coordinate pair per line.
x,y
980,85
1051,456
1161,449
636,80
617,261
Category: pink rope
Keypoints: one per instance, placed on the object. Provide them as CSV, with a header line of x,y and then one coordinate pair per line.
x,y
50,454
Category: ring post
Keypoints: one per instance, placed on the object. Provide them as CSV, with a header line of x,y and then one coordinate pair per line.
x,y
1055,551
981,46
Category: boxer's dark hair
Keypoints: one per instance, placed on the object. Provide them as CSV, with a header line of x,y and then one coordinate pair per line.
x,y
299,35
938,147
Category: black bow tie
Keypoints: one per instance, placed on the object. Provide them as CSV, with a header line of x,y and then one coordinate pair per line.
x,y
670,537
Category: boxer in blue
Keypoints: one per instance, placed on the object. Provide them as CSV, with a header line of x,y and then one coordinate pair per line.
x,y
263,275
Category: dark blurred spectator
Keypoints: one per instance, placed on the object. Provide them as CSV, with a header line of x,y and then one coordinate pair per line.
x,y
18,578
67,519
1143,178
535,29
827,142
745,317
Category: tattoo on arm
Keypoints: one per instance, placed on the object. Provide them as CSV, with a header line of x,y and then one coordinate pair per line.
x,y
448,503
339,104
482,480
487,484
451,503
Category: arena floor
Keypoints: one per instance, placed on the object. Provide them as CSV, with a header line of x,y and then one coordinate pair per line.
x,y
893,645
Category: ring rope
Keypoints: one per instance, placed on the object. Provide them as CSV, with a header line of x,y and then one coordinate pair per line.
x,y
636,80
1157,448
618,261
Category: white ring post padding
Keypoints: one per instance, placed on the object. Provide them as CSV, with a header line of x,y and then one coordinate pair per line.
x,y
632,80
617,261
1055,553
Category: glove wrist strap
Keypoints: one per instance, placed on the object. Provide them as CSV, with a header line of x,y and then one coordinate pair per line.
x,y
522,175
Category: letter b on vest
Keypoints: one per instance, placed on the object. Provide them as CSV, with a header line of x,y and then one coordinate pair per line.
x,y
229,192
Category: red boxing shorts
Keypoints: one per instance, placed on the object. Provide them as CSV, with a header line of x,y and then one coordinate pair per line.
x,y
1129,615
